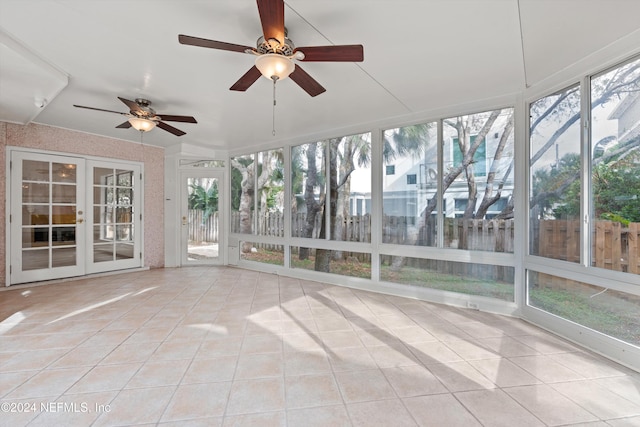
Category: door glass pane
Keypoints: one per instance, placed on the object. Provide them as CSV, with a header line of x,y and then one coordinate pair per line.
x,y
103,233
62,193
124,196
35,214
125,178
124,214
63,214
63,236
102,252
63,172
124,233
202,163
63,257
35,193
103,214
124,251
101,176
202,219
35,259
33,170
35,237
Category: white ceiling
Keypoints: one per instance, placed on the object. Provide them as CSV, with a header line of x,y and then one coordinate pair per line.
x,y
420,55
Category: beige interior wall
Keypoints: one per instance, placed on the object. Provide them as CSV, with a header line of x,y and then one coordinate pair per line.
x,y
53,139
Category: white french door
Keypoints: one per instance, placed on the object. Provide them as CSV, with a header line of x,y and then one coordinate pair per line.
x,y
114,217
70,216
47,217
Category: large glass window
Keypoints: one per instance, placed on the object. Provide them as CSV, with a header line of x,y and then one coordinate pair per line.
x,y
604,310
353,264
477,181
242,194
554,167
270,190
266,253
492,281
409,194
308,188
331,185
615,169
350,188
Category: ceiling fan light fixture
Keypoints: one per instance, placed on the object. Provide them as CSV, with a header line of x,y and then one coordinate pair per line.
x,y
142,125
274,65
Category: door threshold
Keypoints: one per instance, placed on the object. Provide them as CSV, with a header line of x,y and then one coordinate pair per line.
x,y
71,279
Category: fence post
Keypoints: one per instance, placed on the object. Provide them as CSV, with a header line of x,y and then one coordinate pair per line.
x,y
632,247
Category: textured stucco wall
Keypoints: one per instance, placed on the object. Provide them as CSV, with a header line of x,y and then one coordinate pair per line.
x,y
70,142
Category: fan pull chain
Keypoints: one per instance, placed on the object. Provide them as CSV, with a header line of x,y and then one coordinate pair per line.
x,y
273,122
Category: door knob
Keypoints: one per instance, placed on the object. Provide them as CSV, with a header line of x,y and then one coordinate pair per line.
x,y
79,221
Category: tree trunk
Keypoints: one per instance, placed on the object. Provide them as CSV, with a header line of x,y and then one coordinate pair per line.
x,y
313,207
246,199
323,256
489,198
344,193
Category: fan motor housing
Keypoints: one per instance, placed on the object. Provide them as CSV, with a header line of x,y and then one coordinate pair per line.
x,y
145,105
263,46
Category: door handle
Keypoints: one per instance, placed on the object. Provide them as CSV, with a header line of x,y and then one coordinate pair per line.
x,y
79,221
184,220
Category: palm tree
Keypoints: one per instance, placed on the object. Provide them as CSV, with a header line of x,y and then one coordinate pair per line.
x,y
204,199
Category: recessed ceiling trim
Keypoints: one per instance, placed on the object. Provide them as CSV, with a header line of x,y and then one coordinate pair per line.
x,y
40,81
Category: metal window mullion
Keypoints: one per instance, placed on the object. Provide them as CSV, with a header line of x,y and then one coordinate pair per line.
x,y
327,189
377,191
585,181
521,174
440,196
256,159
288,189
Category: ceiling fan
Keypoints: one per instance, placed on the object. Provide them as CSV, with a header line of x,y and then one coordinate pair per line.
x,y
275,52
144,118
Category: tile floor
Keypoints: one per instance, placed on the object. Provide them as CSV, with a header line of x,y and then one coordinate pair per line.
x,y
216,346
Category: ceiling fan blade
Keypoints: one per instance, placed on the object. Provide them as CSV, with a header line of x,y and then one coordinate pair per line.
x,y
99,109
212,44
132,105
340,53
173,118
170,129
125,125
306,82
247,80
272,19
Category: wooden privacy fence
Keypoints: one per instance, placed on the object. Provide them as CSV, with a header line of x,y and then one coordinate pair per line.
x,y
494,235
472,234
203,231
613,246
